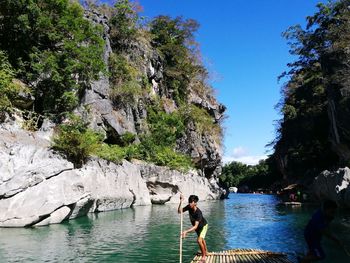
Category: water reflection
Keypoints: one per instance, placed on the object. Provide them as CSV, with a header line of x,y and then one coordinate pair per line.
x,y
151,233
257,221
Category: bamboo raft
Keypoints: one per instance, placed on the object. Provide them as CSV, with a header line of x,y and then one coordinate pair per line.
x,y
243,256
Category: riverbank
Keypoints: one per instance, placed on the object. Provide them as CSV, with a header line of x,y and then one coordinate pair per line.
x,y
40,187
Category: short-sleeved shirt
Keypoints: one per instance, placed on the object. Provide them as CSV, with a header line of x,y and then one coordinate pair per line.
x,y
313,230
196,216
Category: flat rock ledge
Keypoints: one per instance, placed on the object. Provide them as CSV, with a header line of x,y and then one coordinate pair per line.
x,y
38,187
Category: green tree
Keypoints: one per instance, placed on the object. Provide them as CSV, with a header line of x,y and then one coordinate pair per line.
x,y
174,38
8,88
52,47
76,141
124,23
126,89
233,173
316,85
261,175
165,128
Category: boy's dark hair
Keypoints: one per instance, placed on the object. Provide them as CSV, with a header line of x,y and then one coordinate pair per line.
x,y
329,204
193,198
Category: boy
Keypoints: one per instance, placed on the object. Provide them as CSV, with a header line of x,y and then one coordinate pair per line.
x,y
316,228
199,224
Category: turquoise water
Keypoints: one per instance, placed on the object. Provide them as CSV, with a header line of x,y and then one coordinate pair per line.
x,y
150,233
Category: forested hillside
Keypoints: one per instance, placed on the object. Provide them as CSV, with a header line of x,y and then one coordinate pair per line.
x,y
314,133
114,84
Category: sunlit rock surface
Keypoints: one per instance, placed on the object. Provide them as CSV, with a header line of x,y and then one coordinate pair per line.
x,y
39,187
334,186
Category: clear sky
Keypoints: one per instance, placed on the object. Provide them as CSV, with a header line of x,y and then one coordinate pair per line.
x,y
242,46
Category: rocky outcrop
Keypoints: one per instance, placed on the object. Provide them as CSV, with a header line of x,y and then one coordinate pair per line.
x,y
38,187
115,119
165,185
334,186
105,116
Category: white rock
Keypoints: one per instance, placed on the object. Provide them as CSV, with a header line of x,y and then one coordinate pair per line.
x,y
163,183
56,217
334,186
39,187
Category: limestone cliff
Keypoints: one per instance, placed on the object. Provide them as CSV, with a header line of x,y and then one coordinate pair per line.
x,y
38,186
115,120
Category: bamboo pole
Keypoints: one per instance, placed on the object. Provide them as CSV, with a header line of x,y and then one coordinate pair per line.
x,y
181,226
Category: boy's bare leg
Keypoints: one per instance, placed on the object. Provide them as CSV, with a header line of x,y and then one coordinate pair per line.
x,y
203,248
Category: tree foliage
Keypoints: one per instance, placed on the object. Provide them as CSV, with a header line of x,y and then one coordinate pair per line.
x,y
52,47
8,88
123,78
254,176
76,141
56,50
174,38
158,146
316,81
124,23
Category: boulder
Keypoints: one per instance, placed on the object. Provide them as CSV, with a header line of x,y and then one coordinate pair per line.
x,y
165,185
37,185
334,186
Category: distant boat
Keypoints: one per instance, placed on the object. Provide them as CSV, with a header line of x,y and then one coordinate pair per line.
x,y
233,189
290,203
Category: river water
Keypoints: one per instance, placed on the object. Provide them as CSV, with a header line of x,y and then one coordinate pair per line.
x,y
151,233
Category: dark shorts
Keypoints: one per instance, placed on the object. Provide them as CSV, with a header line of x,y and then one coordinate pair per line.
x,y
315,248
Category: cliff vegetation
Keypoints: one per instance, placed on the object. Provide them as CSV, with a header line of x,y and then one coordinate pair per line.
x,y
115,85
313,133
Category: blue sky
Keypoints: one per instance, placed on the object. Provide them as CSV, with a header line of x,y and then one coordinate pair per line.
x,y
242,46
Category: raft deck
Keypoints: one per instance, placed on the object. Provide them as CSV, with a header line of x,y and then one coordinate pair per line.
x,y
243,256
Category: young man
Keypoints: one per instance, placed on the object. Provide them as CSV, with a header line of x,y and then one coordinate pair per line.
x,y
318,227
199,224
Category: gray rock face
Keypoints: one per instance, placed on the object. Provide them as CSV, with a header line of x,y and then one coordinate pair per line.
x,y
39,187
204,150
208,102
114,119
334,186
165,185
106,118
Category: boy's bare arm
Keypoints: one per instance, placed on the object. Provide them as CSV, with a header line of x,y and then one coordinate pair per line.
x,y
190,229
